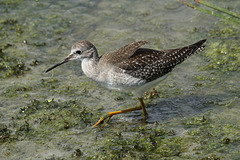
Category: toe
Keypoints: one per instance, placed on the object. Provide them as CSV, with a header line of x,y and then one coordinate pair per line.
x,y
101,121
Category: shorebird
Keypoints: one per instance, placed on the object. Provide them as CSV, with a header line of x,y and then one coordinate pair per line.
x,y
130,68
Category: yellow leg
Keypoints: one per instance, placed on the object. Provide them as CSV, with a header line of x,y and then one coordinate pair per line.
x,y
110,114
145,114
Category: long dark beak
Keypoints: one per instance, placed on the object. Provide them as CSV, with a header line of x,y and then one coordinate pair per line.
x,y
58,64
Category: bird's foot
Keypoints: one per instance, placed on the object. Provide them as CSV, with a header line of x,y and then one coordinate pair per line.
x,y
145,116
103,120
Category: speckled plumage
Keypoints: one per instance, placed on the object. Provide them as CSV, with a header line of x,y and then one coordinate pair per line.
x,y
133,66
130,66
149,64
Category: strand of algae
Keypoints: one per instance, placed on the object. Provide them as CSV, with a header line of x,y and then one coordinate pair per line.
x,y
218,8
235,18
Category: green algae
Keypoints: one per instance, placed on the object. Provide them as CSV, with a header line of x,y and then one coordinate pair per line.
x,y
50,83
224,54
224,57
196,121
6,134
10,3
63,115
44,118
144,143
216,138
15,90
11,66
77,153
151,94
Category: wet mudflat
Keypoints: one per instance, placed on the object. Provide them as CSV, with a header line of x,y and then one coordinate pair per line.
x,y
193,114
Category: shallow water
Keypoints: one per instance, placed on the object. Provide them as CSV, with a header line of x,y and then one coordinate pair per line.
x,y
194,115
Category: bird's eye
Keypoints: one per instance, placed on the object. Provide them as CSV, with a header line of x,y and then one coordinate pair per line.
x,y
78,52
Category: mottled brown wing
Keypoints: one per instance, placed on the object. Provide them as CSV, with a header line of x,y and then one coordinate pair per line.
x,y
151,64
122,53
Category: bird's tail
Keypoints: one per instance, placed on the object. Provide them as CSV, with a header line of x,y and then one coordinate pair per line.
x,y
177,56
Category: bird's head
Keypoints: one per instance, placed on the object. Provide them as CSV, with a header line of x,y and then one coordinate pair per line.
x,y
80,50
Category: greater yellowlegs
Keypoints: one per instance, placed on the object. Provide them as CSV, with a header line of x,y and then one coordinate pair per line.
x,y
129,68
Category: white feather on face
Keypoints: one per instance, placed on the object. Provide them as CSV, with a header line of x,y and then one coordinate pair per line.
x,y
81,50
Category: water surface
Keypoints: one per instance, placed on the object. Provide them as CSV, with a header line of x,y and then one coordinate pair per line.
x,y
193,115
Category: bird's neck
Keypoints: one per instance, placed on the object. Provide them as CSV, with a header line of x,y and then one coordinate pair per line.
x,y
89,67
95,56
